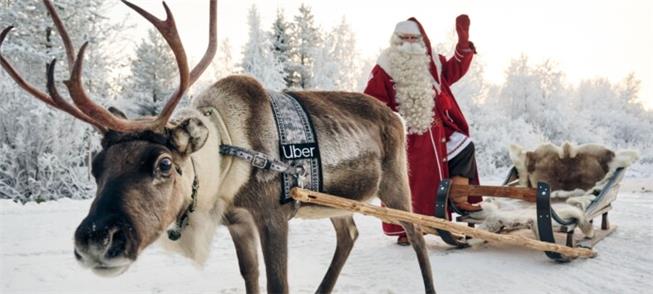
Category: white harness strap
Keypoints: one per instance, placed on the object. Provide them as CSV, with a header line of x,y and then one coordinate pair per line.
x,y
225,138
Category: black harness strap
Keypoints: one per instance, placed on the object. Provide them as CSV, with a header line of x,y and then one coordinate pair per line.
x,y
297,143
260,160
182,220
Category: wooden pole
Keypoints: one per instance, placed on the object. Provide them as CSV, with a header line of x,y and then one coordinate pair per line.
x,y
523,193
395,216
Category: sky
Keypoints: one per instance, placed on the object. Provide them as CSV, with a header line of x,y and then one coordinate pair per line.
x,y
586,39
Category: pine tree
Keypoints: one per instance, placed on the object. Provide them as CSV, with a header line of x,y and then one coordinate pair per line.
x,y
258,59
281,39
152,79
307,39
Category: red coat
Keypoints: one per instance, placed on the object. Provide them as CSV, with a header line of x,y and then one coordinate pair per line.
x,y
427,153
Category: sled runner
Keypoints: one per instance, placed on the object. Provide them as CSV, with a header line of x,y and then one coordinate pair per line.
x,y
546,216
575,229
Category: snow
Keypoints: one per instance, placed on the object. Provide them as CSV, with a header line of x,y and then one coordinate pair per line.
x,y
36,257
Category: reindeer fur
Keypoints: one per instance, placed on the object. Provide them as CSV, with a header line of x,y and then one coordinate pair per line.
x,y
362,147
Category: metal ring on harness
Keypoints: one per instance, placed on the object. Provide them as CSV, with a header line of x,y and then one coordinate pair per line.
x,y
300,175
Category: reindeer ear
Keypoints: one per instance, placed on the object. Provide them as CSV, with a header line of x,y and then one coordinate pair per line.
x,y
189,135
117,112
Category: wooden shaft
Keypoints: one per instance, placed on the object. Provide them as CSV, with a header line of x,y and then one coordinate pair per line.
x,y
523,193
396,216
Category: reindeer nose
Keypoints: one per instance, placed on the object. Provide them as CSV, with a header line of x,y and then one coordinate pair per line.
x,y
117,244
101,239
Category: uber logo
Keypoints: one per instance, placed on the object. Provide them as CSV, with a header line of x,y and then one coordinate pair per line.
x,y
299,151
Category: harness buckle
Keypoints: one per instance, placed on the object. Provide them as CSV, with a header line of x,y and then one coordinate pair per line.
x,y
259,161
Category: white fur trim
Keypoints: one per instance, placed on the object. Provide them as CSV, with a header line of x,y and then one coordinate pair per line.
x,y
518,157
407,27
624,158
562,194
457,142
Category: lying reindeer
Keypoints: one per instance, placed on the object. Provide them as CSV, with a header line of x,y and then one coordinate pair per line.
x,y
150,172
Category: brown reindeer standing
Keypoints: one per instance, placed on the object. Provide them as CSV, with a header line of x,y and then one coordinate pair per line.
x,y
152,171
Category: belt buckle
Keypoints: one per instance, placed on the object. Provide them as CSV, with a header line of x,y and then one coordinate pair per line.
x,y
259,161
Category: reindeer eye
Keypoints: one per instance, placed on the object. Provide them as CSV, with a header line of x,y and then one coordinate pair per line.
x,y
165,166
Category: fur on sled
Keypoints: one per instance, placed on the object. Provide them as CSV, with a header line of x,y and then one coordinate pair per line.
x,y
575,174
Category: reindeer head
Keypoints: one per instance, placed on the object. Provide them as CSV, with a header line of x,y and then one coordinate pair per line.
x,y
144,172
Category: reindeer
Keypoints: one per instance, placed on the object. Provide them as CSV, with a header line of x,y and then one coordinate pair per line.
x,y
152,171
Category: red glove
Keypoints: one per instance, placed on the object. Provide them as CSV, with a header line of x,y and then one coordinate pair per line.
x,y
462,28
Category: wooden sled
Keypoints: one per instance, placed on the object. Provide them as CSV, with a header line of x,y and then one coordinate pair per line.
x,y
541,195
431,224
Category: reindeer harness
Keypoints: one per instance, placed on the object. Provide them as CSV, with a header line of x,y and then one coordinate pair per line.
x,y
300,162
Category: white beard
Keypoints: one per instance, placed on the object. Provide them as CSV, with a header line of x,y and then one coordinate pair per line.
x,y
408,65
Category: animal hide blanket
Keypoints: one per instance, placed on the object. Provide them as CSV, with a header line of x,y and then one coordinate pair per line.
x,y
576,175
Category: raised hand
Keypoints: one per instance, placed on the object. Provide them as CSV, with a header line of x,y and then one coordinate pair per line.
x,y
462,29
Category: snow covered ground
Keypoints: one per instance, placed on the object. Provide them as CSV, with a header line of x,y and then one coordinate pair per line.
x,y
36,257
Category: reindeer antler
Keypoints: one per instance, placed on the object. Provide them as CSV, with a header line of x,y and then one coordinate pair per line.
x,y
168,30
91,112
56,102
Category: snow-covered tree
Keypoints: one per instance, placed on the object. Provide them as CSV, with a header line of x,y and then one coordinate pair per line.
x,y
493,133
541,97
281,40
636,123
45,152
336,65
306,39
325,69
366,65
152,77
258,59
614,113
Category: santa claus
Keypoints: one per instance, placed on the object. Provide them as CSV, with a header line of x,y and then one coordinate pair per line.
x,y
415,83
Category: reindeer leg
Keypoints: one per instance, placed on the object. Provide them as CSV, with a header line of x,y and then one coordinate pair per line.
x,y
395,193
243,233
417,240
346,234
273,232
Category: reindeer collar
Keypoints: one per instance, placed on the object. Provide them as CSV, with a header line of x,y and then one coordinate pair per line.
x,y
174,233
182,220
